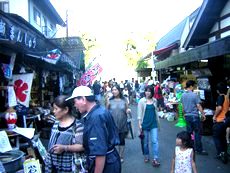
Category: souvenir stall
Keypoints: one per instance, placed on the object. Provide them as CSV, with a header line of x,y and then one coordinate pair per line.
x,y
33,71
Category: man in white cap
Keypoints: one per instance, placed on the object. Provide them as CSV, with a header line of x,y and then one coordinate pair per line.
x,y
100,133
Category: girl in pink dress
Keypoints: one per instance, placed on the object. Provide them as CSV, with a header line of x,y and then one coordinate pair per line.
x,y
184,159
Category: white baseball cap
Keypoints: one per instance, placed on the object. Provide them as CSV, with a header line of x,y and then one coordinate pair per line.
x,y
81,91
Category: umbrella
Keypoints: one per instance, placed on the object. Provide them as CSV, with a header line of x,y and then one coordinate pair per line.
x,y
141,136
130,129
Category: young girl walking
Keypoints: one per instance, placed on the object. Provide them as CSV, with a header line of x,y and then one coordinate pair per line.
x,y
184,159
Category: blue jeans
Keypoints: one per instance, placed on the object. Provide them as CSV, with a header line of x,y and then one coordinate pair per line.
x,y
153,134
194,125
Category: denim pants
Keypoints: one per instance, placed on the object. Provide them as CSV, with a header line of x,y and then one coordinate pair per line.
x,y
153,135
194,125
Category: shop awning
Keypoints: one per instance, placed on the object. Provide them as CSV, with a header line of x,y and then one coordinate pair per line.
x,y
214,49
23,38
165,49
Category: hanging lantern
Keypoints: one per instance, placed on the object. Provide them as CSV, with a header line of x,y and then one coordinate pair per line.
x,y
11,118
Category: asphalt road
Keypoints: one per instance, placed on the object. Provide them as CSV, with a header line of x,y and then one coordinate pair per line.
x,y
134,160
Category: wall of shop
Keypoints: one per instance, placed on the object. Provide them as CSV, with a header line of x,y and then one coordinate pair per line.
x,y
221,28
43,22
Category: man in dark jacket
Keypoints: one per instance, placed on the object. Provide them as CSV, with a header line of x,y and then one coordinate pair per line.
x,y
100,133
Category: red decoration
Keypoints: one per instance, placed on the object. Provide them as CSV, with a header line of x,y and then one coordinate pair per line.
x,y
20,88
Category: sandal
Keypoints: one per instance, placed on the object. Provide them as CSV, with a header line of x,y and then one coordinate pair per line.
x,y
155,163
146,160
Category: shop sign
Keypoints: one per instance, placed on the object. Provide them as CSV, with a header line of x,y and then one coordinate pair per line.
x,y
15,34
65,59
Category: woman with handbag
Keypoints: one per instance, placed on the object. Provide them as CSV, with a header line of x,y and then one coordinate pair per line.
x,y
149,124
118,105
66,139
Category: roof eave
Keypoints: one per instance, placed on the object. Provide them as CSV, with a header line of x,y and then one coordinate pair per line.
x,y
197,19
53,11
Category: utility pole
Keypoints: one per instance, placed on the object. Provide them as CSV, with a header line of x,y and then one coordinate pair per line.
x,y
67,25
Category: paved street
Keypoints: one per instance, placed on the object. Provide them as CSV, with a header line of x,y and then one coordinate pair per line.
x,y
134,162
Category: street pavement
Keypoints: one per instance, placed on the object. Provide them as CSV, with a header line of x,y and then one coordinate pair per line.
x,y
134,160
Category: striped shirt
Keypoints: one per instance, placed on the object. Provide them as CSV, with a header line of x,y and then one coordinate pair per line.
x,y
62,163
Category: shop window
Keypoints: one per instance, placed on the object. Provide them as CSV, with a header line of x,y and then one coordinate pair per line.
x,y
44,27
37,17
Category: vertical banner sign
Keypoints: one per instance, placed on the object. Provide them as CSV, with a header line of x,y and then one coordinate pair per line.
x,y
22,86
90,75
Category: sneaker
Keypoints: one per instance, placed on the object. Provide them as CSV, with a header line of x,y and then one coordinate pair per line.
x,y
156,163
203,152
122,160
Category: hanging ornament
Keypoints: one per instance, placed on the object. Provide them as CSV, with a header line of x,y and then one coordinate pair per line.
x,y
11,118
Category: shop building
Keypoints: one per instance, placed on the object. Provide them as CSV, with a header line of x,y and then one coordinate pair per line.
x,y
28,46
198,48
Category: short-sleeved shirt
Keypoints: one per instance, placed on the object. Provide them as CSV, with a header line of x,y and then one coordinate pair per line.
x,y
158,92
222,101
100,132
118,111
190,100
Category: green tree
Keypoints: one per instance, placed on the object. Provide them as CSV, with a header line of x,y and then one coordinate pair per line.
x,y
137,46
141,64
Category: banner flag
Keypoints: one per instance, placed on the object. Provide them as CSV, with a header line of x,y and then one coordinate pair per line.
x,y
53,56
89,75
22,87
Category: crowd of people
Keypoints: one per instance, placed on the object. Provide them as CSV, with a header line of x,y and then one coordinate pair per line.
x,y
95,141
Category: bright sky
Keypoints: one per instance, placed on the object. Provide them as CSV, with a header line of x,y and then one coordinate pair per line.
x,y
112,20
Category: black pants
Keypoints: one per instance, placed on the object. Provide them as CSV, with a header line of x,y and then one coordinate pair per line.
x,y
219,137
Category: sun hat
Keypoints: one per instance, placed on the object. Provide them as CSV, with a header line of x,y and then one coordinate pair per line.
x,y
81,91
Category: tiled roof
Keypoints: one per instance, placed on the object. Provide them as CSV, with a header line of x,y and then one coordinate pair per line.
x,y
209,12
174,36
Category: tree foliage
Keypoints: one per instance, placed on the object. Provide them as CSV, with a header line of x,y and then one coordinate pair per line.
x,y
137,46
141,64
91,45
